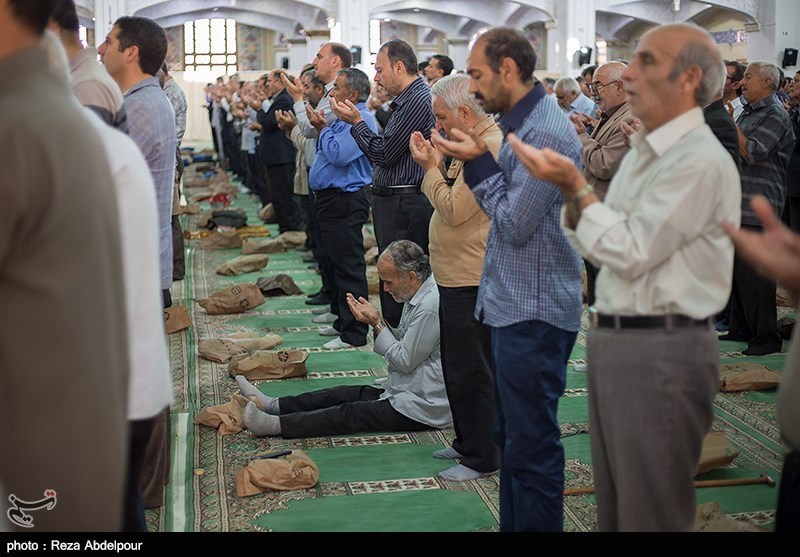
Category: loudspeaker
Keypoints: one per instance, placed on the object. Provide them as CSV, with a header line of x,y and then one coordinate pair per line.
x,y
285,63
585,55
356,52
789,57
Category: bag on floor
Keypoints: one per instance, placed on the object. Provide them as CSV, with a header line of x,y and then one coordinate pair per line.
x,y
260,245
221,350
243,264
227,418
293,471
234,299
717,452
221,239
293,238
176,318
278,285
748,376
269,364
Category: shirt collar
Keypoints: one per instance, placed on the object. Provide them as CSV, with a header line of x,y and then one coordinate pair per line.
x,y
766,101
151,81
513,119
426,287
665,137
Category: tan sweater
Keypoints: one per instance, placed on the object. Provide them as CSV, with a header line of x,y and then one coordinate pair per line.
x,y
458,228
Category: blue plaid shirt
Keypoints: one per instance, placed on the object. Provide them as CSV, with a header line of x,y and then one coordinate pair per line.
x,y
530,271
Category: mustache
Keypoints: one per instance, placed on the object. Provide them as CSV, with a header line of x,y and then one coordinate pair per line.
x,y
479,97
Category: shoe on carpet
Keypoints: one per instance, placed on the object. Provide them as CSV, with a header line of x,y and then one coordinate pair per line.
x,y
314,294
721,327
320,300
319,310
580,368
326,317
761,350
461,473
336,344
447,453
308,259
329,332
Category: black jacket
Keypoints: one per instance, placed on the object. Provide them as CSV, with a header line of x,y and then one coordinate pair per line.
x,y
274,147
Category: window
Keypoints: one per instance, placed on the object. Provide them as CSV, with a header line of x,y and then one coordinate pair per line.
x,y
374,40
209,45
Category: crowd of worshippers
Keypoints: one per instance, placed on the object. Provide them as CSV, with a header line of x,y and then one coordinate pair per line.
x,y
489,197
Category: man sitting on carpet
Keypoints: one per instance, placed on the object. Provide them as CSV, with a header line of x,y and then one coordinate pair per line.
x,y
413,397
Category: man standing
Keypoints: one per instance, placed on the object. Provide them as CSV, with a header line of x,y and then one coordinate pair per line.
x,y
61,280
177,99
766,140
338,178
791,212
572,100
731,92
277,152
91,84
458,233
399,209
666,267
132,54
605,147
439,66
530,290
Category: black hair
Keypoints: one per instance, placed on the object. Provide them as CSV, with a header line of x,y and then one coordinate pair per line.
x,y
65,14
148,37
505,42
397,50
35,15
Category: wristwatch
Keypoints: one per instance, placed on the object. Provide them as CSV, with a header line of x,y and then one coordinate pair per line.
x,y
378,328
576,201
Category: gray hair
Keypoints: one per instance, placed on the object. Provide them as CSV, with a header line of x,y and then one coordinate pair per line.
x,y
568,85
453,91
709,60
357,81
613,70
770,71
408,256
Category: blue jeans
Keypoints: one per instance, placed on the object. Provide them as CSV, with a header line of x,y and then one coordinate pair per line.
x,y
530,369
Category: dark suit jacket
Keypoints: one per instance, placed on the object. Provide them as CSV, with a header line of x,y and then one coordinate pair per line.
x,y
722,125
274,147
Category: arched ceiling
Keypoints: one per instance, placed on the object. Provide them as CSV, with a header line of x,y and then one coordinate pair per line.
x,y
616,19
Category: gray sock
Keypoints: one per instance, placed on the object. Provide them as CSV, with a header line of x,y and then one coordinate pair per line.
x,y
447,453
460,473
261,423
248,389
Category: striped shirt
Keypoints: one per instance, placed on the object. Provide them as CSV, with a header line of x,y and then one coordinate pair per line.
x,y
389,153
530,271
770,140
151,125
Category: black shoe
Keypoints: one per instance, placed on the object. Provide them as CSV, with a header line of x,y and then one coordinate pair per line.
x,y
761,349
309,259
733,338
315,294
319,300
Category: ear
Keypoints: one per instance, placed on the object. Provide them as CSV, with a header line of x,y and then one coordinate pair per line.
x,y
131,53
693,75
508,70
463,112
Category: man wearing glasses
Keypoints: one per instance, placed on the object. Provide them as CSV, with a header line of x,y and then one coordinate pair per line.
x,y
604,147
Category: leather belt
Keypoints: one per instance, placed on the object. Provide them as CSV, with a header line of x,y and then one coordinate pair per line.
x,y
395,190
666,322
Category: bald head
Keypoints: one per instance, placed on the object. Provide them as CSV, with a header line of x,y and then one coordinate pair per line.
x,y
607,87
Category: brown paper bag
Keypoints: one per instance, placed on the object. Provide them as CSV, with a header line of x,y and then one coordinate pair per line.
x,y
267,212
373,280
234,299
221,350
260,245
176,318
226,418
748,376
269,364
202,220
284,473
190,209
369,239
221,239
278,285
371,256
711,518
293,238
717,452
243,264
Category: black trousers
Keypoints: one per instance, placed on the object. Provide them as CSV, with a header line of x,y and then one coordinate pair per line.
x,y
787,516
791,213
754,312
340,218
178,255
399,217
340,411
591,280
281,183
139,434
466,346
325,271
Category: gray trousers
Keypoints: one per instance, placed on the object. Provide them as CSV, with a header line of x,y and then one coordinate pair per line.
x,y
651,404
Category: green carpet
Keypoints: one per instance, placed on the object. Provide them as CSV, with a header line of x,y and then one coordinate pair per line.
x,y
384,482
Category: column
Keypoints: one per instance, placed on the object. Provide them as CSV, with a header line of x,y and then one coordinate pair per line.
x,y
353,16
457,50
298,54
106,12
573,28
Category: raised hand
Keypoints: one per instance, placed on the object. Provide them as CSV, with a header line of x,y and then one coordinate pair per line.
x,y
550,166
286,119
294,89
628,129
346,111
363,310
423,152
316,119
461,146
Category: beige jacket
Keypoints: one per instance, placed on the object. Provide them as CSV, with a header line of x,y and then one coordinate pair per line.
x,y
458,227
604,150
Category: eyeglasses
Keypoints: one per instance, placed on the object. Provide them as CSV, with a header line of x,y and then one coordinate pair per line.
x,y
597,86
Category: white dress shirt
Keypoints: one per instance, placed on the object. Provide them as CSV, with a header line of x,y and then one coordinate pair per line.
x,y
658,235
